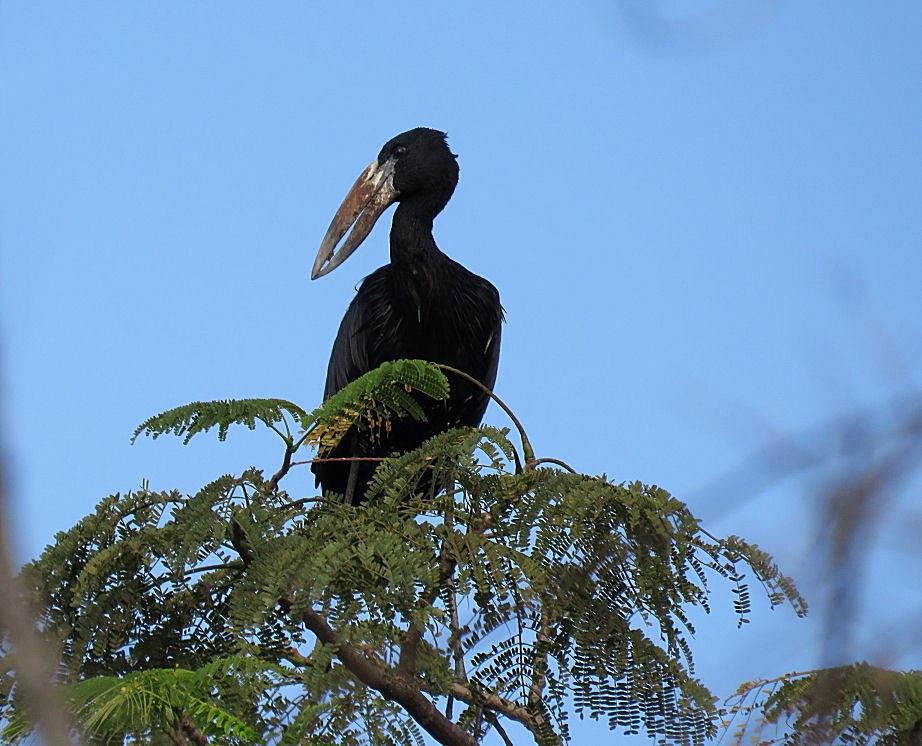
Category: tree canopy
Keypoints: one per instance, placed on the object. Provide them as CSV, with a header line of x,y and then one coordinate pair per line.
x,y
525,594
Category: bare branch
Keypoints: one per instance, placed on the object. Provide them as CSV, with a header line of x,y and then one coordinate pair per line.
x,y
535,722
384,680
494,721
555,461
273,483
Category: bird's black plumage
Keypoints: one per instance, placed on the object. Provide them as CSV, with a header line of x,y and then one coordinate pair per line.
x,y
420,305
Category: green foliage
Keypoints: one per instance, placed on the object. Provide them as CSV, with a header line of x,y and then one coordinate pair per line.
x,y
158,700
520,596
853,704
200,417
371,401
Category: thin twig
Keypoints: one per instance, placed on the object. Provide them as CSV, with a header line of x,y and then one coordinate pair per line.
x,y
556,461
283,436
494,721
527,451
295,658
339,458
539,673
307,500
273,483
455,634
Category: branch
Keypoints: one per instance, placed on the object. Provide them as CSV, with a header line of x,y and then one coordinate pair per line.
x,y
294,657
177,738
494,721
527,450
331,459
535,722
239,541
555,461
191,730
539,674
406,666
290,448
395,688
454,642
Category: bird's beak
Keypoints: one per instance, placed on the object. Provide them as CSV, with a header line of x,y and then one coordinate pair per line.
x,y
371,194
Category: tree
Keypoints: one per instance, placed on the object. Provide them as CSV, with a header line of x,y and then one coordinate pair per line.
x,y
521,595
856,703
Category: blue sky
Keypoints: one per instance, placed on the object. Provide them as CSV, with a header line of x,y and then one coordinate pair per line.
x,y
704,219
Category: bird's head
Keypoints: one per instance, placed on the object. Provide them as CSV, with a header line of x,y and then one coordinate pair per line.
x,y
414,165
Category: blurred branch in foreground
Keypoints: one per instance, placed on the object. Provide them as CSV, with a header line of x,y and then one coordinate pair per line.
x,y
34,666
875,468
865,464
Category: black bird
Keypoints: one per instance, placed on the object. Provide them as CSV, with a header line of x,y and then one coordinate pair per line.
x,y
422,305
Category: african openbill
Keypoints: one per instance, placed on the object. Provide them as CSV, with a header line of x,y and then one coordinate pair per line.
x,y
422,305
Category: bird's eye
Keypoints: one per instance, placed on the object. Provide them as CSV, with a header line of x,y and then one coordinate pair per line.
x,y
399,150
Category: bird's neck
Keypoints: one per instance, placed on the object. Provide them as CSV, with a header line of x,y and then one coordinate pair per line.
x,y
411,233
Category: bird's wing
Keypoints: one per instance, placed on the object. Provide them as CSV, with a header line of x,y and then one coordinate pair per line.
x,y
481,319
367,333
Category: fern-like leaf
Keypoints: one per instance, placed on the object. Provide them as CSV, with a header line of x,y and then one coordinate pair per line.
x,y
373,400
199,417
852,704
370,401
148,702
